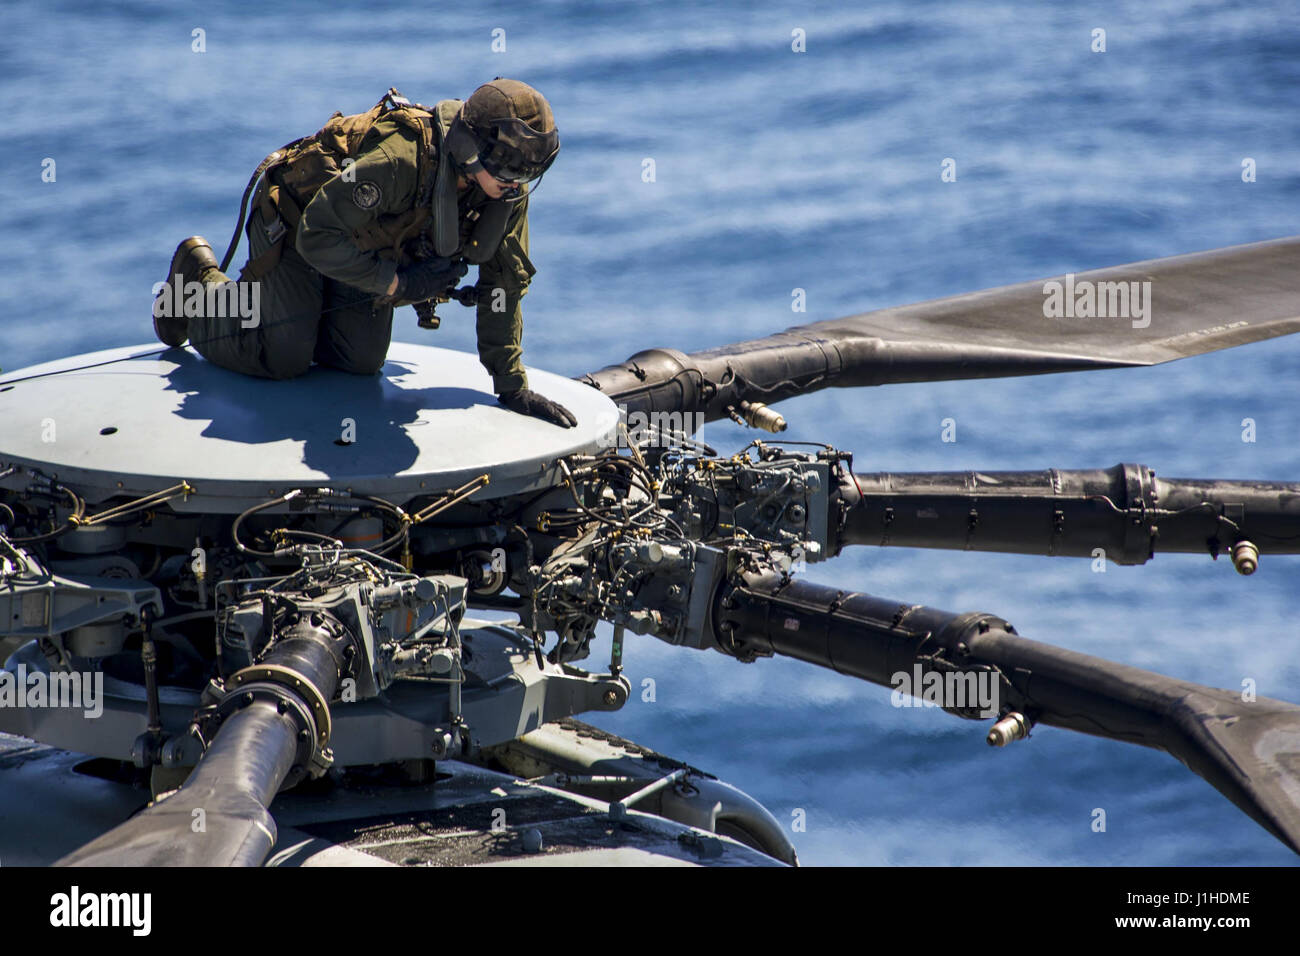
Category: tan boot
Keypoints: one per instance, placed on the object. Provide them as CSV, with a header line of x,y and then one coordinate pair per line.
x,y
192,258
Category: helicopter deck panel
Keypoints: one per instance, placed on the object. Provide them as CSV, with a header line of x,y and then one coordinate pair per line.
x,y
372,820
140,419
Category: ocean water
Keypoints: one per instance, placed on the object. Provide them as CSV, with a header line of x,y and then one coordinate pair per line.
x,y
776,170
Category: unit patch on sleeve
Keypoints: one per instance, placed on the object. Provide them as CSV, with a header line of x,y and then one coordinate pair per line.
x,y
366,195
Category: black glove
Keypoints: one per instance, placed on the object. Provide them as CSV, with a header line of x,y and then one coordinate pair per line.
x,y
426,279
527,402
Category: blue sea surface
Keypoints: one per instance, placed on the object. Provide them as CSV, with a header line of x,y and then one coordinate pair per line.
x,y
777,170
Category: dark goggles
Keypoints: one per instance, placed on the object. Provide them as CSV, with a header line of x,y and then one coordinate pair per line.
x,y
518,153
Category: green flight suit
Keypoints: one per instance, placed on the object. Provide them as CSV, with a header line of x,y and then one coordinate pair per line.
x,y
320,302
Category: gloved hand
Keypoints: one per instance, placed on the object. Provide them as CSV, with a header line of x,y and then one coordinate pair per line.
x,y
428,278
527,402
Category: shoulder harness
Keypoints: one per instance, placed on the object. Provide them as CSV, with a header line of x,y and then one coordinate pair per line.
x,y
308,163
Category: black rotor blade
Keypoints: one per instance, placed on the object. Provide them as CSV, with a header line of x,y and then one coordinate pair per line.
x,y
273,718
1249,751
1126,511
1197,303
219,817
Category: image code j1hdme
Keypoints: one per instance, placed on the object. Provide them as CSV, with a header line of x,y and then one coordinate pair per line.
x,y
638,434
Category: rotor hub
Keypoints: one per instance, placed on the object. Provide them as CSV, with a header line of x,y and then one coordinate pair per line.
x,y
134,421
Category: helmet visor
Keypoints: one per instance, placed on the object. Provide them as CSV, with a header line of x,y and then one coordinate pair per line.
x,y
518,153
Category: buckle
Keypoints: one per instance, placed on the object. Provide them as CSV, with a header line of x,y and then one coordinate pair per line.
x,y
276,230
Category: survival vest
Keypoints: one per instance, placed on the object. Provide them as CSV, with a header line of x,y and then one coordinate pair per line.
x,y
305,165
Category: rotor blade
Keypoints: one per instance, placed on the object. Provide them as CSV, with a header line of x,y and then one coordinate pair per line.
x,y
274,717
1158,311
1126,511
1249,751
219,817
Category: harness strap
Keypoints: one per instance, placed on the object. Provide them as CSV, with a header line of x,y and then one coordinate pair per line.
x,y
274,159
438,192
281,215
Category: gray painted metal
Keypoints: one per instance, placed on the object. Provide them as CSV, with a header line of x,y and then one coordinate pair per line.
x,y
582,759
373,823
428,422
509,697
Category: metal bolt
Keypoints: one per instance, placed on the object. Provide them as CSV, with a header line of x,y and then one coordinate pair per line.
x,y
1014,726
1245,557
